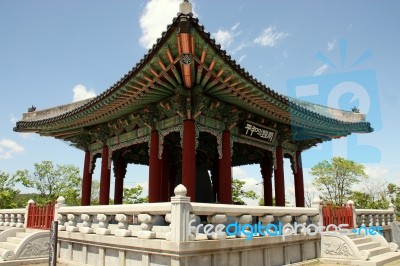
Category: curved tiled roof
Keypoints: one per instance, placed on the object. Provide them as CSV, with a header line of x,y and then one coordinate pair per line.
x,y
268,102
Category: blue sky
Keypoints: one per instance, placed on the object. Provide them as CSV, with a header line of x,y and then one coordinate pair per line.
x,y
54,52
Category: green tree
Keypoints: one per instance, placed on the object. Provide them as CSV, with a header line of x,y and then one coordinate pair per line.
x,y
8,192
52,181
394,197
133,195
238,193
335,179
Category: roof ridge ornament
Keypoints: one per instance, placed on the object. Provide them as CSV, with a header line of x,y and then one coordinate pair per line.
x,y
185,7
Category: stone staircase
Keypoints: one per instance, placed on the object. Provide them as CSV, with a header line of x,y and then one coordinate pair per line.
x,y
355,249
18,244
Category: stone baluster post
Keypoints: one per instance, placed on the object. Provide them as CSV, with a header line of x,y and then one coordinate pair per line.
x,y
317,204
285,219
6,219
377,220
60,202
218,232
244,220
146,225
86,224
383,223
20,220
103,224
180,219
370,220
363,220
123,224
72,221
31,201
265,221
392,215
13,220
1,219
301,220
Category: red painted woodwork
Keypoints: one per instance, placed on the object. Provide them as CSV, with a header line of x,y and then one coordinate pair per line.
x,y
189,158
279,178
266,171
165,174
119,180
338,215
225,170
104,197
298,182
86,181
40,217
154,170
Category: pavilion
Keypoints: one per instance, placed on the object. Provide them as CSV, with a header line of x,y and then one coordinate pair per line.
x,y
188,109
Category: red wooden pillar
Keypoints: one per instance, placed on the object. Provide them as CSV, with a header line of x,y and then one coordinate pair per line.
x,y
298,182
266,171
86,181
104,197
154,170
119,180
225,170
165,173
279,178
189,158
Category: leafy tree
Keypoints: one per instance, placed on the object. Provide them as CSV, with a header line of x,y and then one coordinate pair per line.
x,y
238,193
133,195
7,191
95,193
52,181
334,179
394,196
372,194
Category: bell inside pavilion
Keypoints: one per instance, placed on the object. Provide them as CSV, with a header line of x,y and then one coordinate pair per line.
x,y
191,113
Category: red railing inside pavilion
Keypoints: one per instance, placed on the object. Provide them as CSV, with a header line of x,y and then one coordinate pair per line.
x,y
336,215
40,217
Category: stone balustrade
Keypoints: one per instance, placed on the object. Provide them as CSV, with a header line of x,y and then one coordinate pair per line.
x,y
374,217
12,218
181,220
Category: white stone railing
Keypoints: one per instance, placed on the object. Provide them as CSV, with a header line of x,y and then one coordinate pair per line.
x,y
373,217
150,220
119,220
12,218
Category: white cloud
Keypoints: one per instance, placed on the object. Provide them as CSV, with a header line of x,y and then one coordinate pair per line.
x,y
331,45
269,37
8,148
285,54
321,70
226,37
378,171
81,93
156,15
242,58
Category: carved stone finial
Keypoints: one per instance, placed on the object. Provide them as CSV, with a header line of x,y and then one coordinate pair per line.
x,y
185,7
180,190
60,200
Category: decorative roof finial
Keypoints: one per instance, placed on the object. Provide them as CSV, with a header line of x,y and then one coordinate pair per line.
x,y
185,7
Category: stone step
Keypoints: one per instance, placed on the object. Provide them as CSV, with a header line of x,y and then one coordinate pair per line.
x,y
354,236
382,259
22,234
14,239
361,240
368,245
378,250
7,245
